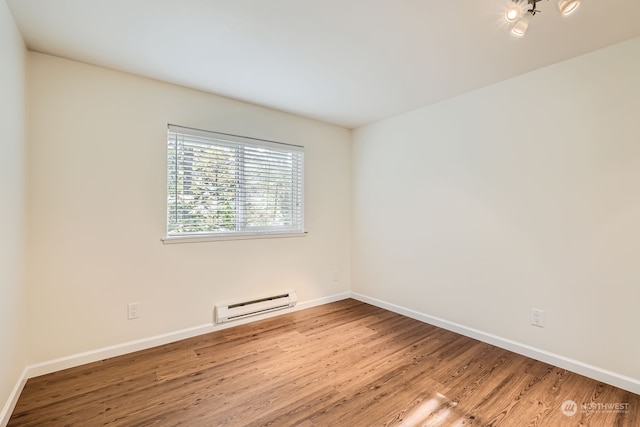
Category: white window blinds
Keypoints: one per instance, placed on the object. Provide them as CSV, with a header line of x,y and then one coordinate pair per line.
x,y
222,184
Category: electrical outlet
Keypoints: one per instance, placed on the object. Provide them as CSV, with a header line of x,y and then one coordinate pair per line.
x,y
133,310
537,317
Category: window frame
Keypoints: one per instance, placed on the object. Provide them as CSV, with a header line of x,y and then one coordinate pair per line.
x,y
241,143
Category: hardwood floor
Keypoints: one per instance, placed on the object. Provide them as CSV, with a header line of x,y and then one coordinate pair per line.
x,y
346,363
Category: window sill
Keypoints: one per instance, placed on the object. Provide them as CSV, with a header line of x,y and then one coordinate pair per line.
x,y
168,240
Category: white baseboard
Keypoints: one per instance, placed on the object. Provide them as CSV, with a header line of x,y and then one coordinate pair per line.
x,y
590,371
7,410
594,372
72,361
145,343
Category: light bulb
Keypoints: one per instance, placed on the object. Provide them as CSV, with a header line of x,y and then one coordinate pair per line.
x,y
567,7
512,13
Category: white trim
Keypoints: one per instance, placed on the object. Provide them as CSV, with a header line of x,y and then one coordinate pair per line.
x,y
9,406
145,343
198,238
594,372
613,378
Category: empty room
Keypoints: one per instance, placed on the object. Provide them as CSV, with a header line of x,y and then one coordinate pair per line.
x,y
305,213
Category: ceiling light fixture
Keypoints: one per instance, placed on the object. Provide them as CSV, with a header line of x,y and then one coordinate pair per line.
x,y
518,13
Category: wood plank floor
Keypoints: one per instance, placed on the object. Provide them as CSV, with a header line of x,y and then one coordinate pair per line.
x,y
345,363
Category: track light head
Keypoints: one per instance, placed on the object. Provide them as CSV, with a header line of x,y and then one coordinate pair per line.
x,y
567,7
521,26
513,12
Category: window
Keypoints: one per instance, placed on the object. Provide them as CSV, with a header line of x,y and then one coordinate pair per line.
x,y
225,185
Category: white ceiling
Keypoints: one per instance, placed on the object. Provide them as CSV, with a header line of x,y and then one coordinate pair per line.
x,y
348,62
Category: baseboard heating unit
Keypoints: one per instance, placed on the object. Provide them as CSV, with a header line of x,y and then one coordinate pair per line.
x,y
240,310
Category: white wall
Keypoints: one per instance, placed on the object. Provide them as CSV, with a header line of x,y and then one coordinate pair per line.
x,y
12,210
519,195
97,188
